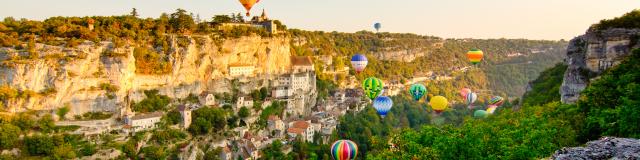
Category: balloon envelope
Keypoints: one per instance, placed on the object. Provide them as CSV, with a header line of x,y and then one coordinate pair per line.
x,y
344,150
480,114
439,103
464,92
382,105
377,26
475,56
248,4
359,62
417,91
491,109
471,97
497,100
372,87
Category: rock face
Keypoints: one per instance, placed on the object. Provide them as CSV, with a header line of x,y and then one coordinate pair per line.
x,y
605,148
77,75
406,55
591,54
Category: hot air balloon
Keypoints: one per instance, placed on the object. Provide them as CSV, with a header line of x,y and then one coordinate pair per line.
x,y
480,114
417,91
372,87
491,109
377,26
248,4
439,103
382,104
464,92
359,62
497,100
344,150
470,98
475,56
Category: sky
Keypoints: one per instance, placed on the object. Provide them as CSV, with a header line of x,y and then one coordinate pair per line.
x,y
530,19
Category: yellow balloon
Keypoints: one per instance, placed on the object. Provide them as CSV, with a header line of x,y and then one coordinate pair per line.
x,y
439,103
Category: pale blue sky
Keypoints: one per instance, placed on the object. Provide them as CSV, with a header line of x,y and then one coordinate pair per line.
x,y
531,19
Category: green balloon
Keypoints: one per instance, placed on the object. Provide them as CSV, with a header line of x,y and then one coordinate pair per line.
x,y
417,91
480,114
372,87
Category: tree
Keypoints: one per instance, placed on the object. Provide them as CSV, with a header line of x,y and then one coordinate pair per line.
x,y
64,151
274,151
62,112
8,135
219,19
244,112
181,21
134,12
46,124
153,152
39,145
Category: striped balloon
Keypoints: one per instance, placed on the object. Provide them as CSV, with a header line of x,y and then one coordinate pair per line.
x,y
475,56
497,100
470,98
359,62
372,87
344,150
417,91
382,104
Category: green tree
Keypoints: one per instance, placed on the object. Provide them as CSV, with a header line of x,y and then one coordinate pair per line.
x,y
62,112
244,112
181,22
39,145
134,12
64,151
46,123
8,135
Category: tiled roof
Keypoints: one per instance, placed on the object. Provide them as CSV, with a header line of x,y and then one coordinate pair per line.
x,y
301,124
295,130
274,118
146,116
301,61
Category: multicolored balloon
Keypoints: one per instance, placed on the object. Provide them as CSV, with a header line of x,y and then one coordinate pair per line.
x,y
372,87
480,114
497,100
417,91
359,62
464,92
377,26
475,56
248,4
382,105
470,98
439,103
344,150
491,109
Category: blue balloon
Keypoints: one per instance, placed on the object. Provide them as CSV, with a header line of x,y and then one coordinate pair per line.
x,y
358,57
377,26
382,104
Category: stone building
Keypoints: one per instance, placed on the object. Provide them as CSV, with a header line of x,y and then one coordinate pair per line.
x,y
236,70
144,121
185,112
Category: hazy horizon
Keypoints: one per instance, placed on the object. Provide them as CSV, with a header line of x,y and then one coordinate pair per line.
x,y
490,19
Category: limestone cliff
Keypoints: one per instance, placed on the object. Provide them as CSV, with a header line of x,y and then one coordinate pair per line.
x,y
87,79
591,54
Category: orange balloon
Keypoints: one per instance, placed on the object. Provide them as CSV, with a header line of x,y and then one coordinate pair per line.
x,y
248,4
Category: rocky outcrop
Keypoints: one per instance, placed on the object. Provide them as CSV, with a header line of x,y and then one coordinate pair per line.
x,y
77,76
605,148
591,54
405,55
